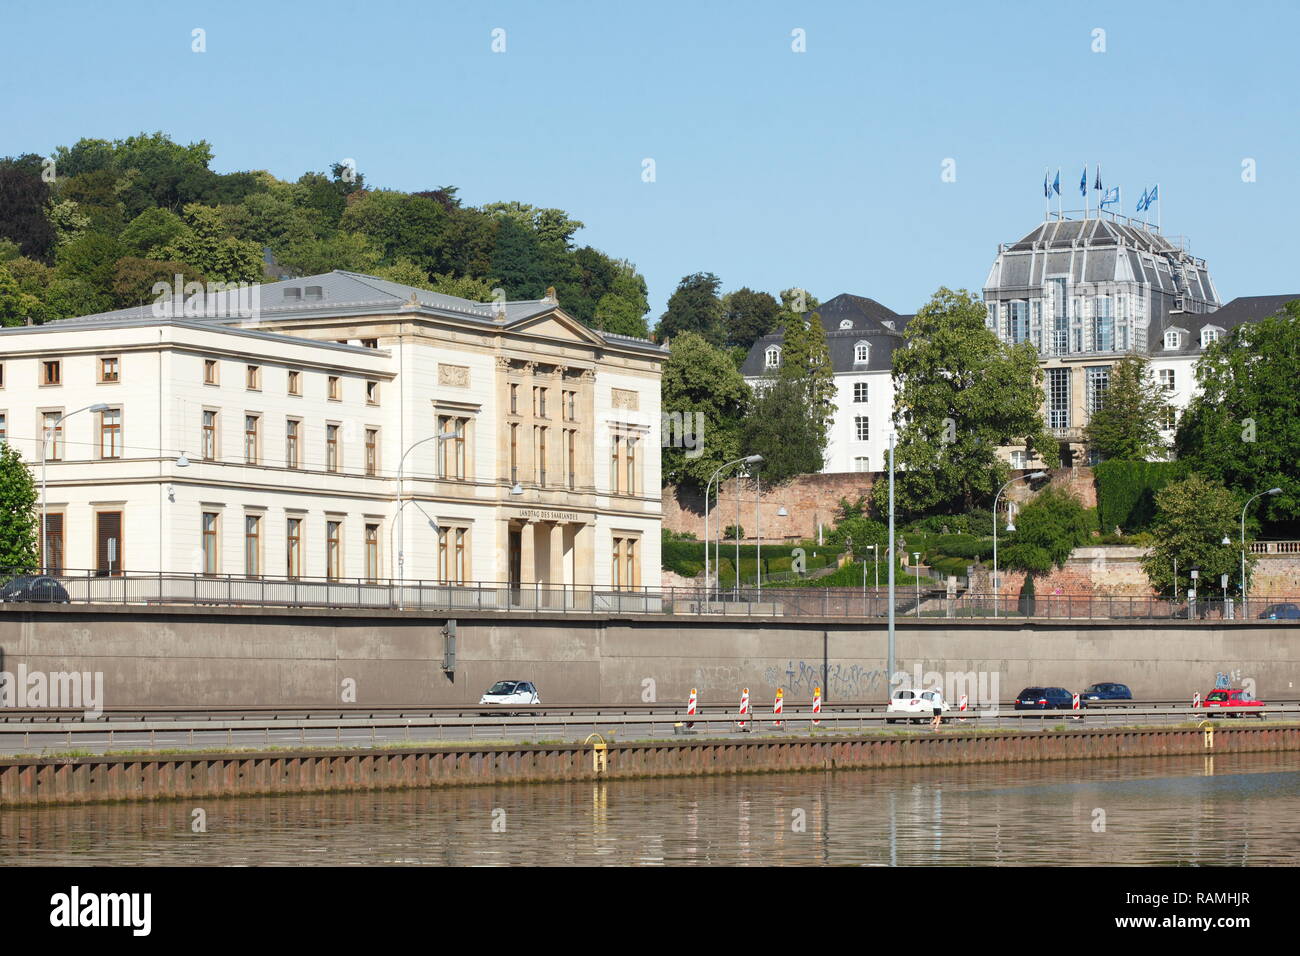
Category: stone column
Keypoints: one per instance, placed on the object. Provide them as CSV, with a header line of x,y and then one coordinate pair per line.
x,y
527,552
555,573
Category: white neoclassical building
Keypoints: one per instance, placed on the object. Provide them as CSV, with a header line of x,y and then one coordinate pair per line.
x,y
341,427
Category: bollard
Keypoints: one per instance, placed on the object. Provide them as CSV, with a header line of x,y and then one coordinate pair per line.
x,y
744,707
777,707
690,709
817,705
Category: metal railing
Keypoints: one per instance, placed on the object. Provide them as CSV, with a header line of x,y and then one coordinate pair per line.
x,y
200,590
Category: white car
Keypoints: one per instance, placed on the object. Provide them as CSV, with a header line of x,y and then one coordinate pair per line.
x,y
916,704
511,692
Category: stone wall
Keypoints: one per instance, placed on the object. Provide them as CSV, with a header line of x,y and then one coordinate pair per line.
x,y
809,500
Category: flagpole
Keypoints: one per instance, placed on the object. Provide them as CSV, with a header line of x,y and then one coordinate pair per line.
x,y
1085,192
1047,195
1059,214
1159,199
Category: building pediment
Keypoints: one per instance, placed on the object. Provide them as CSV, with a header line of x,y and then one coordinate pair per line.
x,y
556,325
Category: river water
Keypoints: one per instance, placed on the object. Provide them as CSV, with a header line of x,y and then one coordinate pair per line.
x,y
1225,810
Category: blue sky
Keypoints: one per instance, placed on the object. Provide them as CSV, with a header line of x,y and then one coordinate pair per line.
x,y
773,168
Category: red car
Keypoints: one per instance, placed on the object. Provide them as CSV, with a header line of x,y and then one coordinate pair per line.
x,y
1235,699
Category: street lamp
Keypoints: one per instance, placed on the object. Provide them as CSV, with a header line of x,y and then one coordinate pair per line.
x,y
1271,491
401,554
750,460
916,566
997,590
45,441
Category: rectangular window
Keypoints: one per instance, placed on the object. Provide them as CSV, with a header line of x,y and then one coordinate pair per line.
x,y
624,572
334,389
616,564
514,399
861,464
331,447
108,543
1096,378
541,457
567,405
4,428
209,371
1103,325
372,393
52,372
372,451
251,423
54,544
859,392
333,549
110,433
514,453
210,542
372,553
573,457
295,382
253,377
370,343
1060,306
2,375
293,548
1167,379
209,436
630,454
862,427
452,555
1019,321
539,401
615,453
451,450
253,546
109,369
52,428
291,442
1169,419
1058,398
1018,459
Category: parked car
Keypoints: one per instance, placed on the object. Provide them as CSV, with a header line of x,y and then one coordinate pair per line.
x,y
1239,701
37,588
511,692
1045,698
1105,692
1280,612
917,704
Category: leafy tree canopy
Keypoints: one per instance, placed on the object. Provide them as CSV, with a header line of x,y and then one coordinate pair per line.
x,y
700,380
1193,517
1048,529
1127,425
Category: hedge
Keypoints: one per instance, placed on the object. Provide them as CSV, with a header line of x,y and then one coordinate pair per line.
x,y
1126,491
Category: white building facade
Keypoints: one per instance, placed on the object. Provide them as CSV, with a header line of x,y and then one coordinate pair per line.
x,y
349,429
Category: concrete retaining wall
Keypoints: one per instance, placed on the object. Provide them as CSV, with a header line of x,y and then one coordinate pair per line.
x,y
154,656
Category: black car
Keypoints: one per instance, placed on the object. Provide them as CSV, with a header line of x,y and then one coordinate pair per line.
x,y
1280,612
35,588
1044,698
1105,692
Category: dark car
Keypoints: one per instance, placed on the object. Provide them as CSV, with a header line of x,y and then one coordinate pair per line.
x,y
1044,698
38,588
1105,692
1280,612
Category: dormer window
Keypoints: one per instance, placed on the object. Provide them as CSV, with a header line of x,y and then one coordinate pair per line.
x,y
861,353
1171,339
773,356
846,324
1210,334
889,324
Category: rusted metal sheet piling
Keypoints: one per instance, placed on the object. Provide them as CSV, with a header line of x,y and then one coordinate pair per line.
x,y
36,781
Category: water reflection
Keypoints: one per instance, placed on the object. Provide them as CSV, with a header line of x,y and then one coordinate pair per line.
x,y
1225,810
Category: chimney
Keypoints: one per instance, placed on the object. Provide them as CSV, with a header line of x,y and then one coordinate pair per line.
x,y
550,296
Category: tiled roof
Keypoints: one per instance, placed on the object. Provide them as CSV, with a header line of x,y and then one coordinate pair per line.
x,y
848,320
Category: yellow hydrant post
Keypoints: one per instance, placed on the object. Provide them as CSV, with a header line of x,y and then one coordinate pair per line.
x,y
1208,728
599,753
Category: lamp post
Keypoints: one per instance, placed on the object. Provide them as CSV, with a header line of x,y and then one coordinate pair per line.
x,y
708,574
1191,604
401,554
997,590
916,576
45,441
758,531
1271,491
889,675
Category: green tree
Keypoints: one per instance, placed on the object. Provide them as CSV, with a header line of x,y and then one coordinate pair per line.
x,y
401,226
151,232
520,261
700,379
622,310
406,272
748,315
465,287
1127,425
806,361
18,520
16,306
960,393
694,307
209,249
1193,516
783,427
24,196
851,521
1048,529
349,251
1243,427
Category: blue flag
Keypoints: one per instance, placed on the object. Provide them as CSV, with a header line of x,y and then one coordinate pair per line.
x,y
1112,196
1142,201
1047,187
1153,195
1097,185
1056,184
1083,182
